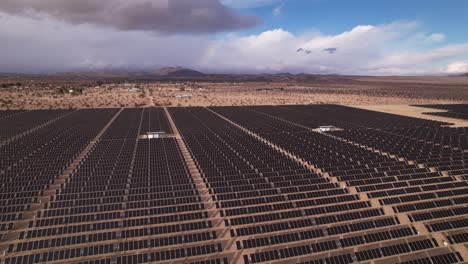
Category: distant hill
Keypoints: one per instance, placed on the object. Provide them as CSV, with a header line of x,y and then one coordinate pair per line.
x,y
167,72
104,74
7,74
176,72
186,74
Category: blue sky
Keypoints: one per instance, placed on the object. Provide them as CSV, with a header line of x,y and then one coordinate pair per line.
x,y
362,37
336,16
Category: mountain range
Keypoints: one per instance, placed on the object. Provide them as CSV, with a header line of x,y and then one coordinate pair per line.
x,y
177,72
181,73
166,72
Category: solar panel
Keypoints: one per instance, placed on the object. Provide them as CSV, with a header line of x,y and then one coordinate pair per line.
x,y
231,184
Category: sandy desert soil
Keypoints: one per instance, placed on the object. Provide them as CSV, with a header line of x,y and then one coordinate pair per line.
x,y
353,91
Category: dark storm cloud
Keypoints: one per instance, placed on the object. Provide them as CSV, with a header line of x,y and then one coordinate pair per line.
x,y
166,16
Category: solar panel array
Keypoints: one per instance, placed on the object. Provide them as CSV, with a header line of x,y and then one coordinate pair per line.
x,y
392,179
17,123
257,184
29,165
9,113
458,111
155,120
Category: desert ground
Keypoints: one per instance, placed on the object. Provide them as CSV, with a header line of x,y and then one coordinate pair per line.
x,y
54,93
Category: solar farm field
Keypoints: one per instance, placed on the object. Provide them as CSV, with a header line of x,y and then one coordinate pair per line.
x,y
458,111
319,184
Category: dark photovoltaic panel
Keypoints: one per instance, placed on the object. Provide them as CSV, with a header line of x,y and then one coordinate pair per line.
x,y
395,180
9,113
128,197
32,163
257,184
126,125
155,120
458,111
13,125
342,116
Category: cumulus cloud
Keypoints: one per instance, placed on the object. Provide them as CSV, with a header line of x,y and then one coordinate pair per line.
x,y
365,49
262,52
166,16
458,67
408,58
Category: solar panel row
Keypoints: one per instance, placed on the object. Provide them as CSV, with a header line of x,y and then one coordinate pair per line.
x,y
29,165
458,111
356,165
9,113
14,123
155,120
124,189
277,189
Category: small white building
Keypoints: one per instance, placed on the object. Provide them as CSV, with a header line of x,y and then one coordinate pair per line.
x,y
328,128
151,135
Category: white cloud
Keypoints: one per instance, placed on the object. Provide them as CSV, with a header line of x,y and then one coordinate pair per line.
x,y
277,11
365,49
261,52
436,37
44,45
458,67
47,44
408,58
